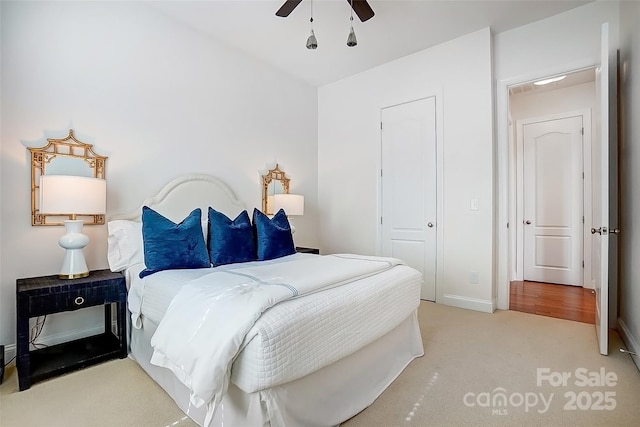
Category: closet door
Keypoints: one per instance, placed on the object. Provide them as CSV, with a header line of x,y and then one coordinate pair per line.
x,y
408,189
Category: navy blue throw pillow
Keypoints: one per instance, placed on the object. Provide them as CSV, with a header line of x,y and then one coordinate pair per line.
x,y
230,241
273,236
168,245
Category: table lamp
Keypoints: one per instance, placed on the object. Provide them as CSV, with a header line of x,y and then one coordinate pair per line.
x,y
292,204
71,196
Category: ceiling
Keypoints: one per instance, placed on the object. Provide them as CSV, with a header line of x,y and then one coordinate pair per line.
x,y
398,28
571,79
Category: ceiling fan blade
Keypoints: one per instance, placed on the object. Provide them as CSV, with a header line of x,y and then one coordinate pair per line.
x,y
287,7
362,9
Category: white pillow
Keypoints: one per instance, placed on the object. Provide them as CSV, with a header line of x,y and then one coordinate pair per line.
x,y
125,245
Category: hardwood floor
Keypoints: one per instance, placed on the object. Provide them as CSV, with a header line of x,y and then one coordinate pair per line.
x,y
561,301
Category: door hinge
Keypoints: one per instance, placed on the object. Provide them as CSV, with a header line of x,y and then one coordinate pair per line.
x,y
380,125
380,173
582,264
583,219
582,131
380,220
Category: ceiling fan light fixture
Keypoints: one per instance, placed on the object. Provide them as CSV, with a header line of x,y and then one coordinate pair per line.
x,y
351,40
312,42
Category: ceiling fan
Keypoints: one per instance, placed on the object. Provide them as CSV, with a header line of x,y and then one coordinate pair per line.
x,y
360,7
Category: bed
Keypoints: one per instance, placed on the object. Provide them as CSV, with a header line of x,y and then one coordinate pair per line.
x,y
316,355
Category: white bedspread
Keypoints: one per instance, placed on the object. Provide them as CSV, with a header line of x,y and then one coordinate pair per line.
x,y
206,323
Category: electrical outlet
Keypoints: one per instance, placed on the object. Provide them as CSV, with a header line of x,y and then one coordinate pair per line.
x,y
474,277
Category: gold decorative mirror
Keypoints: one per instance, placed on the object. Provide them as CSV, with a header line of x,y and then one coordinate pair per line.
x,y
275,181
66,156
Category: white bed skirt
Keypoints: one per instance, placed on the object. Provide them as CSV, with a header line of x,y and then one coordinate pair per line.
x,y
326,397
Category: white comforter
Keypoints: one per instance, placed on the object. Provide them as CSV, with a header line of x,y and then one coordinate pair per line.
x,y
206,322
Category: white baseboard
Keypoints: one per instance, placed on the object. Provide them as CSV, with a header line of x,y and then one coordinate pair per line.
x,y
629,341
9,352
486,306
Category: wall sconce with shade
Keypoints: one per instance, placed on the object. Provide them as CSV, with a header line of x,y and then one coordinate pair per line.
x,y
71,196
292,204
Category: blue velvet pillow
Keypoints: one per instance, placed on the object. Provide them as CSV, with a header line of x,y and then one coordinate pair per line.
x,y
168,245
230,241
273,236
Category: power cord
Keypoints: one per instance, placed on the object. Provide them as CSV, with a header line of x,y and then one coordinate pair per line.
x,y
36,330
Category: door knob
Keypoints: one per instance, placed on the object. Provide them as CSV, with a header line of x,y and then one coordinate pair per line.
x,y
615,231
430,224
528,222
596,230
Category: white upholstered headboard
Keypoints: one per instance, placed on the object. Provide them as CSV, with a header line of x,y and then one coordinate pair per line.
x,y
185,193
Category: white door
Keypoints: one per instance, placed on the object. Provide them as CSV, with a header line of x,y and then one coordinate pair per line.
x,y
600,189
408,189
553,200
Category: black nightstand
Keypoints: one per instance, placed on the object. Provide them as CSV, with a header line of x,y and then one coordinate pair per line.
x,y
307,250
39,296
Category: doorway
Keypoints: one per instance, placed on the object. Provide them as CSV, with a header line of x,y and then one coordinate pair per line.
x,y
550,132
602,274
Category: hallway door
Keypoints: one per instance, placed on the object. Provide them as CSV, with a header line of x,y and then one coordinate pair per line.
x,y
553,200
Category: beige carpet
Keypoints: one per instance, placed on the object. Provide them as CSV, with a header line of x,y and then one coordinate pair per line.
x,y
471,360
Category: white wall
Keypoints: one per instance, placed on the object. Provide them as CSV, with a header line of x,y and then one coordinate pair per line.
x,y
156,97
629,296
565,42
459,72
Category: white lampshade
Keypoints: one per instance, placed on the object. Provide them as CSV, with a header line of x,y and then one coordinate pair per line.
x,y
78,195
72,195
293,204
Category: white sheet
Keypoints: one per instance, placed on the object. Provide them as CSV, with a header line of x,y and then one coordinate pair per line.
x,y
207,321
